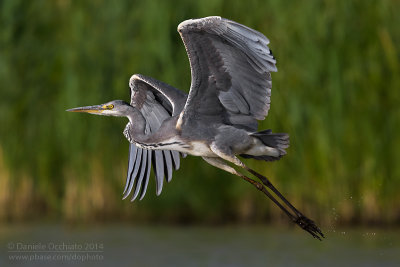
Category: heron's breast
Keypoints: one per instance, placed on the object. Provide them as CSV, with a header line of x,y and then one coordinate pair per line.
x,y
199,148
195,148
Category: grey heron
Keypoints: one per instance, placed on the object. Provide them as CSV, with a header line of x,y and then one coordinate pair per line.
x,y
230,91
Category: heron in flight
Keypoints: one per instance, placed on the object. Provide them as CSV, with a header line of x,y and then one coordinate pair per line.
x,y
230,91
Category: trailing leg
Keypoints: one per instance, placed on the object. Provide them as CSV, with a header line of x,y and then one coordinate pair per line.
x,y
305,223
219,163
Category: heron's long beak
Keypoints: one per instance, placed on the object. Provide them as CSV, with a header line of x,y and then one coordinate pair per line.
x,y
88,109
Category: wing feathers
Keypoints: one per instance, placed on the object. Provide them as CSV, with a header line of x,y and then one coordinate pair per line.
x,y
158,165
139,168
147,174
176,160
134,172
168,165
131,163
141,175
168,95
157,101
239,60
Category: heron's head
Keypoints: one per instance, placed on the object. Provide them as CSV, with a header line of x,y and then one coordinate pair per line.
x,y
117,108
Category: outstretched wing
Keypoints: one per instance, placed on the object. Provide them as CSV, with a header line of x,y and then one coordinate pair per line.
x,y
230,65
156,101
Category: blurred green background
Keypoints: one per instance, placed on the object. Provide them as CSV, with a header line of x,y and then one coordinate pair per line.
x,y
337,94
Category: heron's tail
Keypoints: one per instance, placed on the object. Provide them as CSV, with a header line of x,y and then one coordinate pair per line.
x,y
279,141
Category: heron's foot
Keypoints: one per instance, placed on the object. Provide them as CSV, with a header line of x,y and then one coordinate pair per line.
x,y
309,226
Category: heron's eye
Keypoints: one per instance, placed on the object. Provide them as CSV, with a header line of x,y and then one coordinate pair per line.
x,y
111,106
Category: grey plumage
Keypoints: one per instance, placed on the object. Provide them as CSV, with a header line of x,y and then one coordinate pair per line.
x,y
168,164
143,188
230,92
143,169
241,68
155,106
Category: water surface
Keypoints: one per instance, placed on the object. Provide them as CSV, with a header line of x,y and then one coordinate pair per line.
x,y
127,245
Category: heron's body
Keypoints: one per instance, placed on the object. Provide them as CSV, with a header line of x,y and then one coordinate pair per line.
x,y
231,67
185,141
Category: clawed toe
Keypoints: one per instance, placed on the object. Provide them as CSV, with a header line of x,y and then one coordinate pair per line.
x,y
309,226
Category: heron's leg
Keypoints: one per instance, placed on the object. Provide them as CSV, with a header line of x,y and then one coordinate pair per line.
x,y
219,163
299,219
304,222
230,157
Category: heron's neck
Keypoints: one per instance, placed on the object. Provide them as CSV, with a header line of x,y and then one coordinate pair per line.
x,y
136,131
